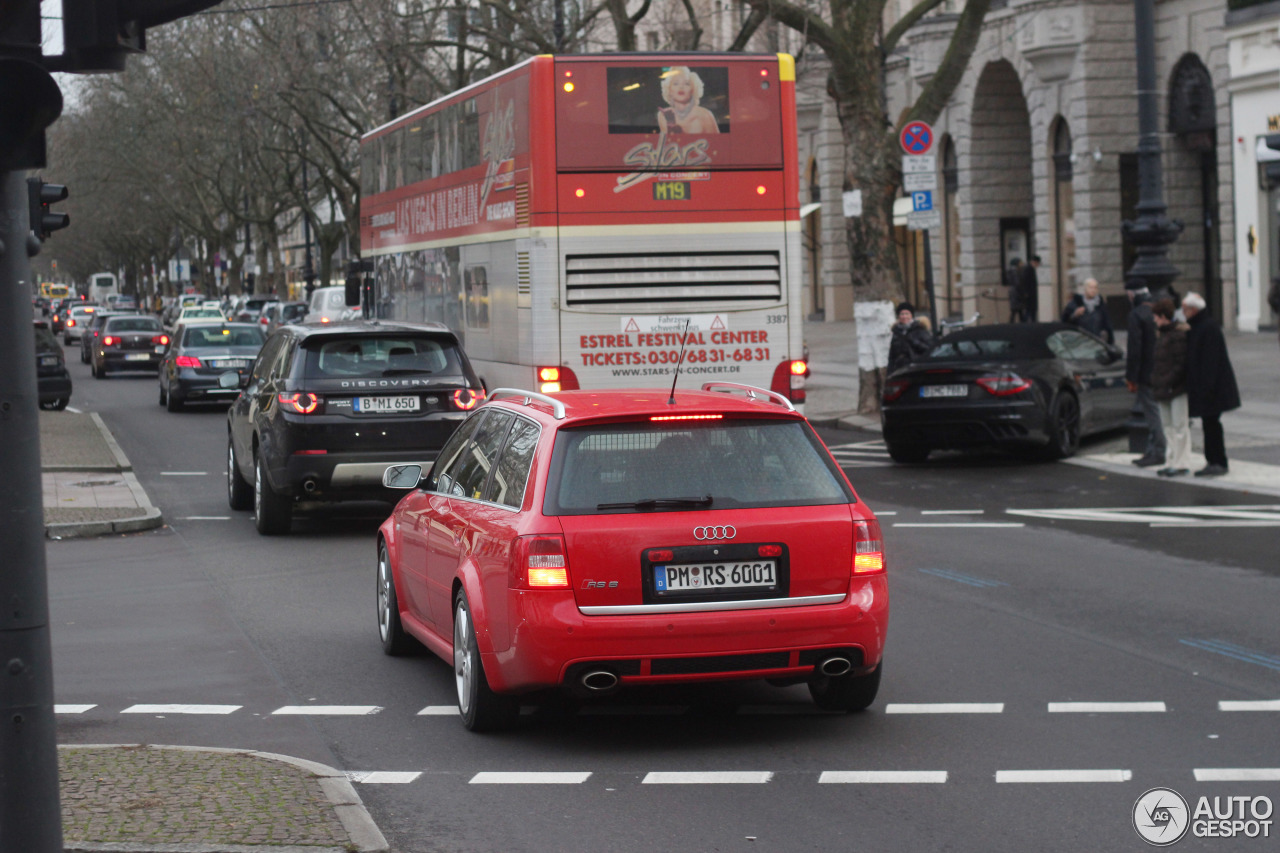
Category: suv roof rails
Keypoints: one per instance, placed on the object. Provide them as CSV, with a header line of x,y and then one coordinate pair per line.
x,y
557,408
750,391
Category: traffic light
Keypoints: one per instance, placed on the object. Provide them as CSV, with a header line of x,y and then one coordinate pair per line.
x,y
43,220
99,34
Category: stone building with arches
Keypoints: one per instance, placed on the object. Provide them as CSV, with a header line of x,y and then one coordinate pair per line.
x,y
1037,155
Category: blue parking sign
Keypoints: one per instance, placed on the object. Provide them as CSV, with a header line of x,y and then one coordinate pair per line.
x,y
922,200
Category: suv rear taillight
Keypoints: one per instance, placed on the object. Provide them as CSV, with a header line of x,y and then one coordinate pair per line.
x,y
868,548
788,380
300,402
1004,384
540,562
467,399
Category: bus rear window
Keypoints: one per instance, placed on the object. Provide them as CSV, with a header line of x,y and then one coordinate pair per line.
x,y
649,116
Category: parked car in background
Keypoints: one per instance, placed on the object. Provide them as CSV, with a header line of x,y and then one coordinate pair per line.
x,y
128,342
125,302
328,408
58,314
78,317
599,539
53,380
195,313
329,305
199,353
1034,386
186,300
277,314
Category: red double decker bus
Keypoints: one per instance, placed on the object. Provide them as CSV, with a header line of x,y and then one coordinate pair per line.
x,y
578,219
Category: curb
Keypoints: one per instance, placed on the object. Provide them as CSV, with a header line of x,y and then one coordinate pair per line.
x,y
355,818
1207,482
122,461
82,529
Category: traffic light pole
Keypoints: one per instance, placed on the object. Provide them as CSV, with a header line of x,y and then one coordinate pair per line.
x,y
30,812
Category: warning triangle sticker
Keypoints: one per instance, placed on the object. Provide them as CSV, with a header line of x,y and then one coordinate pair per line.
x,y
631,326
717,324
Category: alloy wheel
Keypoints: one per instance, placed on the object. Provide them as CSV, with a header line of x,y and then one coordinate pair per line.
x,y
384,595
463,664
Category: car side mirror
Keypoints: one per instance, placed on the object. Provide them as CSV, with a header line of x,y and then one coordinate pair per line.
x,y
402,476
229,380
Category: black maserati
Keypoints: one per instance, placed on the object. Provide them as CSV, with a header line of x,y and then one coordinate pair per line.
x,y
1036,386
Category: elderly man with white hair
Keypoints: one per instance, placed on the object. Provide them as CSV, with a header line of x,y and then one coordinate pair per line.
x,y
1211,383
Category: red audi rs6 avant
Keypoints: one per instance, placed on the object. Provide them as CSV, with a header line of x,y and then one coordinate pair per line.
x,y
594,539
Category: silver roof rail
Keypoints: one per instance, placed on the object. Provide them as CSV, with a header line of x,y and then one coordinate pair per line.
x,y
557,408
751,391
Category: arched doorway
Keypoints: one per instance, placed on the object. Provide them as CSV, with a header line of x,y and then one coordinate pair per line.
x,y
1064,214
1193,120
1000,186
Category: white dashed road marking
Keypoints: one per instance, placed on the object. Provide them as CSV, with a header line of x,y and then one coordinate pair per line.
x,y
1036,776
439,711
181,709
382,777
722,777
205,518
945,708
72,709
326,710
1237,774
1265,705
184,473
1242,515
952,511
1010,524
1105,707
530,778
882,777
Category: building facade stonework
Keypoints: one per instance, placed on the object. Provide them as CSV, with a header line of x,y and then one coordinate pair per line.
x,y
1036,153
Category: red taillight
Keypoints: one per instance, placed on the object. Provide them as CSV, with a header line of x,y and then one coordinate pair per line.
x,y
310,452
263,321
55,318
187,361
770,550
109,341
549,380
788,380
661,555
1004,384
540,562
868,548
325,320
302,402
70,323
160,340
467,399
893,389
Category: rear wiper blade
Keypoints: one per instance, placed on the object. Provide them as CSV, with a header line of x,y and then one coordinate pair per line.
x,y
404,371
659,503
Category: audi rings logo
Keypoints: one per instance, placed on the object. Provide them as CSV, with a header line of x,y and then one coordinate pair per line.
x,y
703,534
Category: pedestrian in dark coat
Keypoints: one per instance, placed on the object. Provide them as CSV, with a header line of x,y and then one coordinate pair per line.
x,y
911,339
1137,375
1211,383
1029,290
1086,311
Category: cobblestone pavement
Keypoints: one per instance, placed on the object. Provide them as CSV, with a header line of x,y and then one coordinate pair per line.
x,y
149,798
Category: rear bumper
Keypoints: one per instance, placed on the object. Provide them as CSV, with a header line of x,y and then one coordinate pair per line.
x,y
962,426
54,387
345,476
189,385
121,360
552,643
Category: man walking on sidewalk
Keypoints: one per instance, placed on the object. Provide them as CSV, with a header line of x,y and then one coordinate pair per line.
x,y
1142,356
1211,383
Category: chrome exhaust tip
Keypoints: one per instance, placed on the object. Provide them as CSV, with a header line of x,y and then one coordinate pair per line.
x,y
309,486
834,666
599,681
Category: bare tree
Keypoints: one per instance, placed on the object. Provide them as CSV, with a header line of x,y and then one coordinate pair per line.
x,y
852,35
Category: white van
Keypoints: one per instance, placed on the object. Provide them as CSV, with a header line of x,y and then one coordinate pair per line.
x,y
329,305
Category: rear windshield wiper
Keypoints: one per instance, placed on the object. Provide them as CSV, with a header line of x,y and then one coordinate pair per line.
x,y
404,371
659,503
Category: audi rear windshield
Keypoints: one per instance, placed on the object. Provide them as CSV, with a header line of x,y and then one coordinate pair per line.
x,y
370,356
640,467
133,324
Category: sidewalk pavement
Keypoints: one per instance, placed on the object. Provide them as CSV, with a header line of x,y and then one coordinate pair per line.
x,y
1252,431
141,798
89,485
132,798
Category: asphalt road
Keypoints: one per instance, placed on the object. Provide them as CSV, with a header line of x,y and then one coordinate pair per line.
x,y
999,609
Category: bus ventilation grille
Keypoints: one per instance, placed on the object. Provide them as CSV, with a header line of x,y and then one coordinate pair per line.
x,y
522,205
722,278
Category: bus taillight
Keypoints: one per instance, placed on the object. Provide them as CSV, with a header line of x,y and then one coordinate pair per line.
x,y
788,380
553,379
